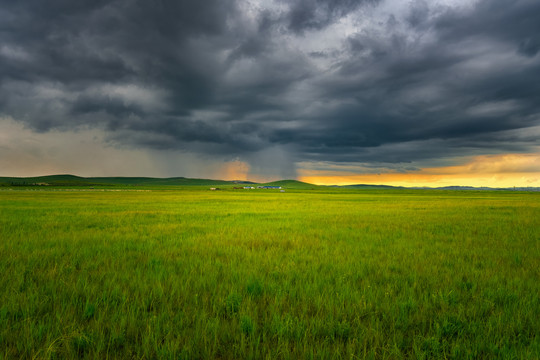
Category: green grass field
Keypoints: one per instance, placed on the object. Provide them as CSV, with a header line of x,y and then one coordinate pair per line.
x,y
306,274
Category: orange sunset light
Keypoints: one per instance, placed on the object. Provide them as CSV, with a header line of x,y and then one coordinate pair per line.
x,y
506,170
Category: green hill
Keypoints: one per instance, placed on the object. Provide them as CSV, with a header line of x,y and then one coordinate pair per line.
x,y
291,184
158,181
72,180
54,180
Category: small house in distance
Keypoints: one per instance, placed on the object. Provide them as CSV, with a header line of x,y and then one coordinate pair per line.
x,y
269,187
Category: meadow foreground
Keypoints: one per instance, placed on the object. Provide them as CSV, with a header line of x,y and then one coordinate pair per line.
x,y
193,274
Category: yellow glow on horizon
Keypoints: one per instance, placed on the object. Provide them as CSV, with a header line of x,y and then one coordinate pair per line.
x,y
508,170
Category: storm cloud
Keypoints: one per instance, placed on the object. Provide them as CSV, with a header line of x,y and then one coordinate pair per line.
x,y
378,83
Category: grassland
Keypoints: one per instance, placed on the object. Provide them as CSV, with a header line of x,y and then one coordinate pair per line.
x,y
346,274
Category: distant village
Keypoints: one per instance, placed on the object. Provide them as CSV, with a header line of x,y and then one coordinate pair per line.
x,y
252,187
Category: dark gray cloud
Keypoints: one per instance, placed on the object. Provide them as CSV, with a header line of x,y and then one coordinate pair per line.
x,y
497,20
335,81
317,14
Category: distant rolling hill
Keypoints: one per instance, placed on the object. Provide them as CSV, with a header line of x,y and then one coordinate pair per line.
x,y
291,184
72,180
58,180
78,181
369,186
158,181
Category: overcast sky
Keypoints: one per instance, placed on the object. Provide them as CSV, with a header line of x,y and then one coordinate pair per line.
x,y
269,89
